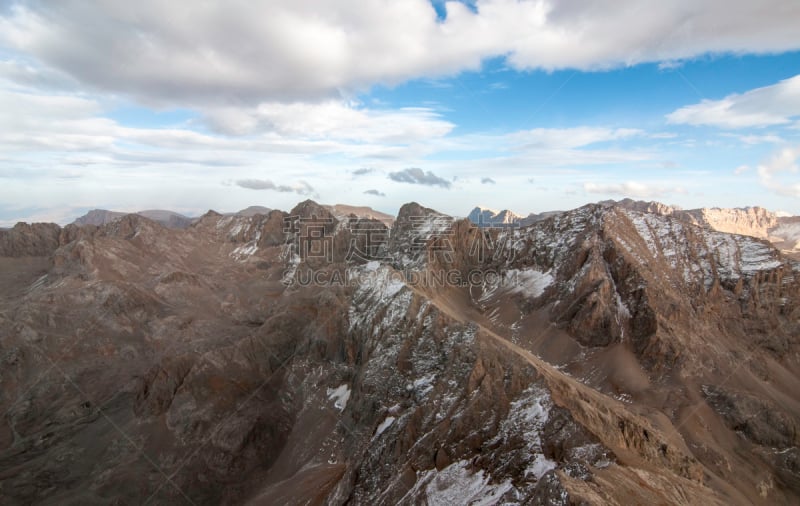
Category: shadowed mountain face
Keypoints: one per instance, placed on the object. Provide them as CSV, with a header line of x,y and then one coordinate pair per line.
x,y
599,356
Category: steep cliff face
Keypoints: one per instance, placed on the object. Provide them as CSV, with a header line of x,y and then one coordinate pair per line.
x,y
600,356
782,231
37,239
660,308
752,221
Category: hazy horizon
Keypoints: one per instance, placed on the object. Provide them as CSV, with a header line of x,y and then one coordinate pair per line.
x,y
390,212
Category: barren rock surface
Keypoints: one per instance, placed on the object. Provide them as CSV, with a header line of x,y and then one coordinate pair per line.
x,y
604,355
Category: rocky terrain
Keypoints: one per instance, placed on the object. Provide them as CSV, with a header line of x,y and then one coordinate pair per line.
x,y
603,355
782,231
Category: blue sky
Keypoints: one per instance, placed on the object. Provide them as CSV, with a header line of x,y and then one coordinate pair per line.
x,y
526,105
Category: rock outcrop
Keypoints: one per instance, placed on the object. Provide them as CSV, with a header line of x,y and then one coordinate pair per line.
x,y
783,231
37,239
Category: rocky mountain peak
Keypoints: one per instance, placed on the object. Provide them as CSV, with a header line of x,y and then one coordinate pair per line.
x,y
309,208
253,210
130,224
97,217
36,239
413,209
485,217
413,229
752,221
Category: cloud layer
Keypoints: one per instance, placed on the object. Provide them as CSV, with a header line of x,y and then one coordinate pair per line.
x,y
777,104
288,50
632,189
294,91
781,173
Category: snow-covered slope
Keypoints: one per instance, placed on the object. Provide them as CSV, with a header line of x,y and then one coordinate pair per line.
x,y
781,230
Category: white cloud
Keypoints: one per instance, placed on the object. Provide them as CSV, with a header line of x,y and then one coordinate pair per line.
x,y
741,169
670,65
295,50
777,104
546,148
632,189
72,133
28,75
332,119
569,138
753,140
779,173
663,135
62,151
37,123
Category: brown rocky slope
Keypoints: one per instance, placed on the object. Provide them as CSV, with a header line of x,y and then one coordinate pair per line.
x,y
599,356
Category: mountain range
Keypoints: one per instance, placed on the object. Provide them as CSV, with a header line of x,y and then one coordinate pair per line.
x,y
172,219
781,230
169,219
485,217
618,353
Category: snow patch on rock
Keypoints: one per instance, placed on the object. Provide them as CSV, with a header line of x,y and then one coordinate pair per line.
x,y
383,283
423,386
717,254
527,416
457,484
339,395
385,424
528,281
244,251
